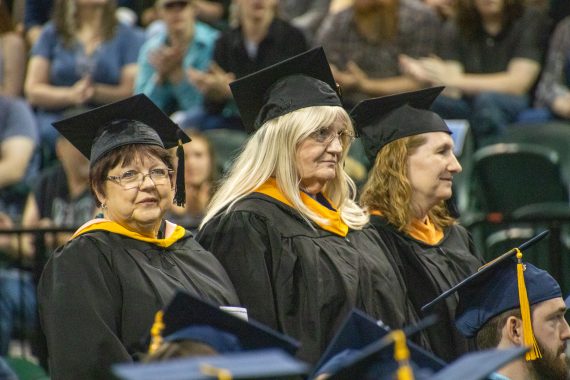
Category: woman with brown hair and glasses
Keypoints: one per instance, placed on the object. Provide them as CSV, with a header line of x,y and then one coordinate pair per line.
x,y
99,293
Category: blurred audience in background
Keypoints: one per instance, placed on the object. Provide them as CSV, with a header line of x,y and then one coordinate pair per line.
x,y
83,57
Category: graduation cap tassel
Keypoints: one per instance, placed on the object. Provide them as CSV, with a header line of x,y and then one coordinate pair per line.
x,y
156,332
402,356
528,335
180,192
218,373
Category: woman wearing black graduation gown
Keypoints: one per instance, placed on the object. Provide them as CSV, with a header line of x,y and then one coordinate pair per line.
x,y
99,293
414,164
284,223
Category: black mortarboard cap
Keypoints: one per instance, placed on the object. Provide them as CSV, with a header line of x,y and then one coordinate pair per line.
x,y
478,365
186,310
260,364
501,285
362,348
135,120
380,121
304,80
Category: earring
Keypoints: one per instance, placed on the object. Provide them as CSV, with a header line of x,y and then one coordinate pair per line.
x,y
103,206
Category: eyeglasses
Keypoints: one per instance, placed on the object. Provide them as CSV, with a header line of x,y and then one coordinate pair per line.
x,y
132,178
328,134
175,5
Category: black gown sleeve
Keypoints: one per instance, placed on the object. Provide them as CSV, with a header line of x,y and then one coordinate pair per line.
x,y
244,243
79,303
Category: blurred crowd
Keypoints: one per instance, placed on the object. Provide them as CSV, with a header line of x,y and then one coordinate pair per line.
x,y
501,62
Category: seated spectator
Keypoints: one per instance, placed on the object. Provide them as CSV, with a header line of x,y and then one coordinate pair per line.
x,y
38,12
18,140
490,58
553,91
365,41
200,174
260,40
12,56
306,15
88,62
165,57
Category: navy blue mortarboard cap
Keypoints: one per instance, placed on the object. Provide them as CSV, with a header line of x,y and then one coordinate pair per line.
x,y
362,348
380,121
494,289
261,364
304,80
478,365
186,311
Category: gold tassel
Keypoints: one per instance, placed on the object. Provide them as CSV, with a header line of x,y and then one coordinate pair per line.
x,y
528,335
219,373
156,332
402,356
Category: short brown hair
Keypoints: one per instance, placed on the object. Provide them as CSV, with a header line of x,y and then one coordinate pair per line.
x,y
123,155
489,336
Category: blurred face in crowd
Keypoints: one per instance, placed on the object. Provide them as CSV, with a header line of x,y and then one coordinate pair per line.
x,y
430,170
318,156
256,9
198,162
137,206
552,332
177,14
489,8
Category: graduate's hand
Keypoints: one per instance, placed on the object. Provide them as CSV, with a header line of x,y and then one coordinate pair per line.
x,y
561,106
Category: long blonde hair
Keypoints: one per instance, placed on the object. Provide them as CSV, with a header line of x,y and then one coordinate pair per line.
x,y
271,152
388,188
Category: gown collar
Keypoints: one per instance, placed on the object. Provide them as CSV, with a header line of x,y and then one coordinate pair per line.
x,y
335,225
172,232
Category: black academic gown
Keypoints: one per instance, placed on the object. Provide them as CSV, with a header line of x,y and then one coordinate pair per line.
x,y
99,293
300,280
428,271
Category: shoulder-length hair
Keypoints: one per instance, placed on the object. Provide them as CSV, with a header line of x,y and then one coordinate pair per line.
x,y
469,20
65,20
388,188
271,152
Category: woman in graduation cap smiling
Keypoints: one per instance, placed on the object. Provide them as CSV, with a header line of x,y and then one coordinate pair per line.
x,y
284,223
99,293
414,164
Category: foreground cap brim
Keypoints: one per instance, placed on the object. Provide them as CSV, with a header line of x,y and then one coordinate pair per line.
x,y
485,270
263,364
186,310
